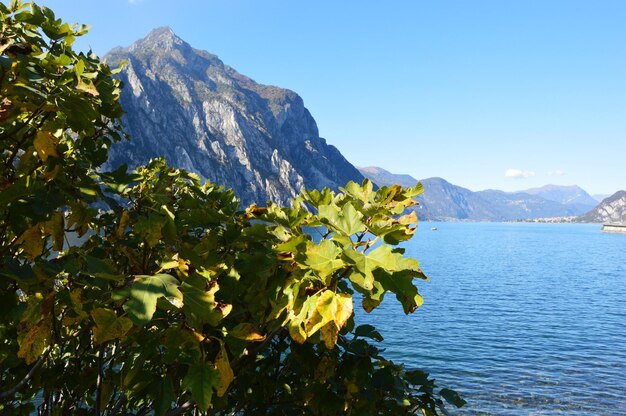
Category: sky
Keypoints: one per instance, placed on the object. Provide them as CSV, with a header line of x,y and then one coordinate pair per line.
x,y
486,94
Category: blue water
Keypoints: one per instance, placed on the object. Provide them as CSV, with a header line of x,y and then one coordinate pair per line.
x,y
521,319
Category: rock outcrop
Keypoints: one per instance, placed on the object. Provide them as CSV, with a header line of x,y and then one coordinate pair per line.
x,y
611,209
202,115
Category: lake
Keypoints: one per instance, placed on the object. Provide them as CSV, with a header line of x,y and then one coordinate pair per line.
x,y
521,319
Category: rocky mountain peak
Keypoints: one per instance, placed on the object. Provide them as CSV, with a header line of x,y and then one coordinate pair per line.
x,y
204,116
162,38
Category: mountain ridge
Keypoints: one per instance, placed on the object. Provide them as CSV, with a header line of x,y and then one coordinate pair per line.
x,y
611,209
202,115
445,201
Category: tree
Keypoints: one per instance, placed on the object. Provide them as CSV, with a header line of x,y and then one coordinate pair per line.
x,y
150,292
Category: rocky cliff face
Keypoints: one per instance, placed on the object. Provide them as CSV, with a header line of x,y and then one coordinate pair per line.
x,y
611,209
202,115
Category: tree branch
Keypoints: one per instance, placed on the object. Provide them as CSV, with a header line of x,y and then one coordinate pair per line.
x,y
27,377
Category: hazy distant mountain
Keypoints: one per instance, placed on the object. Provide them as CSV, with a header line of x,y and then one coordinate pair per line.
x,y
440,201
573,196
204,116
382,177
600,197
444,201
520,205
611,209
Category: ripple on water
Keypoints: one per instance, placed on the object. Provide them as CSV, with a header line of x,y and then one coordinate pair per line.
x,y
521,319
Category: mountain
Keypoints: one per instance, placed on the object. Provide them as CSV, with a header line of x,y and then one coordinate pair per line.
x,y
611,209
572,196
381,177
202,115
510,206
442,200
600,197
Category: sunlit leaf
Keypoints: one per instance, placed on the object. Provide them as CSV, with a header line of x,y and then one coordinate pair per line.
x,y
145,291
247,332
45,145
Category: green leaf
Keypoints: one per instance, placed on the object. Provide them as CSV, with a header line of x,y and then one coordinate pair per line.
x,y
200,305
346,220
201,379
144,293
323,258
150,227
452,397
108,325
362,193
383,257
401,283
368,331
164,396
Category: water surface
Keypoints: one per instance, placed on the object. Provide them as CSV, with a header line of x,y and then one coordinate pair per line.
x,y
521,319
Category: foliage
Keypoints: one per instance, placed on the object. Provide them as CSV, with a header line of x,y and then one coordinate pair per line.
x,y
170,298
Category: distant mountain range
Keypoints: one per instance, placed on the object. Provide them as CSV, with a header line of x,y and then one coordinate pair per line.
x,y
202,115
444,201
572,196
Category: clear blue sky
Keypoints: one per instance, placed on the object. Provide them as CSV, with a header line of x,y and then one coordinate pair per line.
x,y
465,90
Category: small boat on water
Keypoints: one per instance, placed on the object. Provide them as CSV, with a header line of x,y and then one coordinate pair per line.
x,y
433,229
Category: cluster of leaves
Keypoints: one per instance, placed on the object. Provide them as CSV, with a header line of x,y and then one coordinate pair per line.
x,y
169,298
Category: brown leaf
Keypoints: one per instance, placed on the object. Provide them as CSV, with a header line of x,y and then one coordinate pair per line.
x,y
35,341
5,109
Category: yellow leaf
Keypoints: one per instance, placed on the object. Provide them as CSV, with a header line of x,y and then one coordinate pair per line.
x,y
246,332
343,303
329,335
35,341
56,225
183,266
124,222
45,145
296,332
31,242
226,372
323,313
87,87
330,307
108,325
